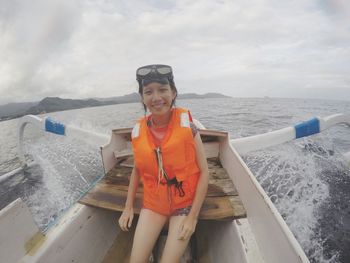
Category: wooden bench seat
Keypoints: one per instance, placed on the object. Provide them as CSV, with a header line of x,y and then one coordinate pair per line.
x,y
221,203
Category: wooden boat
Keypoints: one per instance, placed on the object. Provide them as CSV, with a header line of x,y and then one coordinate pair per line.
x,y
238,222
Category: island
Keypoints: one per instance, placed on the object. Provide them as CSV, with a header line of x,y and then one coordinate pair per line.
x,y
52,104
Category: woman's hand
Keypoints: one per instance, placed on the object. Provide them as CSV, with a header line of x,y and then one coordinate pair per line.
x,y
126,218
187,227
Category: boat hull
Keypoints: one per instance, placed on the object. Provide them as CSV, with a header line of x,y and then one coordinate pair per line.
x,y
85,234
274,238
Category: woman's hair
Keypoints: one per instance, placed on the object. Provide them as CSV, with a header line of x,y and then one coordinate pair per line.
x,y
172,87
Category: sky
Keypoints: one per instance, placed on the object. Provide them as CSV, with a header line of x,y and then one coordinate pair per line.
x,y
86,49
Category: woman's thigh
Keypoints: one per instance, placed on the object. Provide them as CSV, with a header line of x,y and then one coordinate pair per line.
x,y
174,248
147,231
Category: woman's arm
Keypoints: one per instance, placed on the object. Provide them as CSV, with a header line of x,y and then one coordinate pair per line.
x,y
202,185
133,185
189,224
127,216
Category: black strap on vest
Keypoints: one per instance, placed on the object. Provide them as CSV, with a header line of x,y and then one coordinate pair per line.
x,y
172,181
178,186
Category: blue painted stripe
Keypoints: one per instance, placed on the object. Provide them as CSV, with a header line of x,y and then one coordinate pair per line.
x,y
307,128
54,127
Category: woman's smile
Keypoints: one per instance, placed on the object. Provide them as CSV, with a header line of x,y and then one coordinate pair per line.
x,y
158,105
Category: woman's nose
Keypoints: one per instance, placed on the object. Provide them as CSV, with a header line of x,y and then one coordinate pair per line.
x,y
156,95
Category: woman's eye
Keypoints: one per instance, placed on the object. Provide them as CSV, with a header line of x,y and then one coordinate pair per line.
x,y
147,92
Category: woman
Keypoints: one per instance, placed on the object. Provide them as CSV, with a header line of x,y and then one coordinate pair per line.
x,y
170,159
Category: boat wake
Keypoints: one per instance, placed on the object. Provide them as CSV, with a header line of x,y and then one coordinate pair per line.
x,y
300,177
63,169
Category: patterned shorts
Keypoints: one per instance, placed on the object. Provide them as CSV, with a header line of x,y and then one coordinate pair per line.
x,y
182,211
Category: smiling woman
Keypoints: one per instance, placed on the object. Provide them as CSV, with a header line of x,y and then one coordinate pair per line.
x,y
158,98
170,159
155,77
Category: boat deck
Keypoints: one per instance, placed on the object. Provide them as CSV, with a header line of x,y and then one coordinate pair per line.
x,y
222,201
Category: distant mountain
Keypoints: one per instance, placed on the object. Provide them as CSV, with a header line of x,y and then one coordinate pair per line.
x,y
15,109
51,104
129,98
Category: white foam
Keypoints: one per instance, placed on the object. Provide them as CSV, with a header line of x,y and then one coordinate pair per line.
x,y
291,178
68,168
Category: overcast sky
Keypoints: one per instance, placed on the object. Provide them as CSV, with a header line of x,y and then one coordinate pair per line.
x,y
256,48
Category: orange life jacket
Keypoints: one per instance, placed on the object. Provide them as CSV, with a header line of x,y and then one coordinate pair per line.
x,y
178,160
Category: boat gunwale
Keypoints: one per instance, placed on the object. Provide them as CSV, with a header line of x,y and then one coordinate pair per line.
x,y
289,237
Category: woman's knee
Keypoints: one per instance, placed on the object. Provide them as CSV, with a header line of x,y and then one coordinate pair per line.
x,y
147,231
174,247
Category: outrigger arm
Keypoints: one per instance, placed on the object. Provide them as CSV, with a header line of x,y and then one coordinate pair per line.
x,y
48,125
315,125
241,145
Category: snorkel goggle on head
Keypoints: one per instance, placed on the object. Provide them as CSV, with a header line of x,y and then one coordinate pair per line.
x,y
154,73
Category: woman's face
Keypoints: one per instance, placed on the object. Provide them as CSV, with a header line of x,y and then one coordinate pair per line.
x,y
158,97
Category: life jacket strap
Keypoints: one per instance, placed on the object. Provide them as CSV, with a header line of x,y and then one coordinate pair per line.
x,y
162,174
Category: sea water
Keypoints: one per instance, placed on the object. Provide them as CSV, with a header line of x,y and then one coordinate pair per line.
x,y
307,179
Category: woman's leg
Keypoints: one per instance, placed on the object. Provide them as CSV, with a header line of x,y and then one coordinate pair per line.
x,y
147,231
174,248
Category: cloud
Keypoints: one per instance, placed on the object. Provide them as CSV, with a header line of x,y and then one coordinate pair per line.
x,y
92,48
30,40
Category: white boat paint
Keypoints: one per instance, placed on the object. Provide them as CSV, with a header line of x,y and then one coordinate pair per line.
x,y
34,120
17,227
260,141
83,234
271,233
231,241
